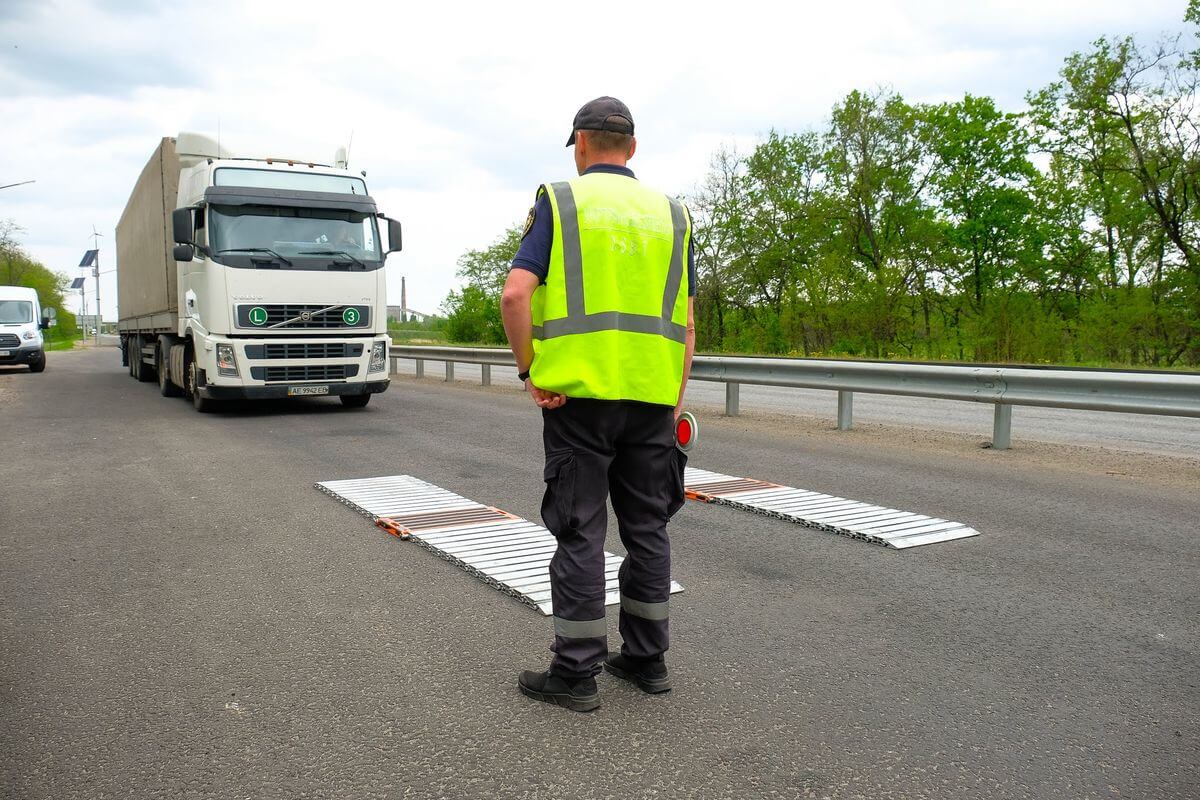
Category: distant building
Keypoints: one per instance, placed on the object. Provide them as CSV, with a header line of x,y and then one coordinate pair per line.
x,y
402,313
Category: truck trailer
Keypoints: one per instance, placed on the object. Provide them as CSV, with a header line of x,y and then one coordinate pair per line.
x,y
252,278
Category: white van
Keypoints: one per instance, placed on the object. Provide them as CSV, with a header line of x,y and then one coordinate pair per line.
x,y
21,326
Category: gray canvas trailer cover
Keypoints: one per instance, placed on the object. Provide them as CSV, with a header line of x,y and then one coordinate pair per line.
x,y
147,274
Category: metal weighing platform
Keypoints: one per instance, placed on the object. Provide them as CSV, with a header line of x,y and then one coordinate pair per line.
x,y
885,526
503,550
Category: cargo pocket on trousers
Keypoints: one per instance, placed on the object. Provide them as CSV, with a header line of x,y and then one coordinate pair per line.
x,y
558,504
678,494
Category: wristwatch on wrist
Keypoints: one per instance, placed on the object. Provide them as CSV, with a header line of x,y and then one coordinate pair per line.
x,y
523,376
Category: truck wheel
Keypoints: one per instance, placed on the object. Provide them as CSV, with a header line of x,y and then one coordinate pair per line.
x,y
40,364
201,404
355,400
165,387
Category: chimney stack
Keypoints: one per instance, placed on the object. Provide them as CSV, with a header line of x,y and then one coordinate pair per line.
x,y
403,300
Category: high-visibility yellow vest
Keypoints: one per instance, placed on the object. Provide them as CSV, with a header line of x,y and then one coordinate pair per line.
x,y
610,321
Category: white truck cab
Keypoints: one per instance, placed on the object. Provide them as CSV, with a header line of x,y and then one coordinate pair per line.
x,y
21,326
253,278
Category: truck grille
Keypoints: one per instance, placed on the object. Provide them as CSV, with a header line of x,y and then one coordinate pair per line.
x,y
303,350
308,372
9,340
319,316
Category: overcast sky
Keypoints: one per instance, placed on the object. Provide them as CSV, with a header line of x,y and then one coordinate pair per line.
x,y
459,110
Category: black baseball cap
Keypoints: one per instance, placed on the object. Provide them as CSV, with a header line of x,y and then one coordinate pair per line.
x,y
602,114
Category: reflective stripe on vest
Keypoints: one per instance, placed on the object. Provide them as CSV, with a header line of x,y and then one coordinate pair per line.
x,y
577,319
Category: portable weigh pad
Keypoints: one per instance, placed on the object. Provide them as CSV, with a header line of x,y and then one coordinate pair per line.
x,y
505,551
885,526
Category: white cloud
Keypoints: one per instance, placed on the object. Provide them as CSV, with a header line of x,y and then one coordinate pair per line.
x,y
458,110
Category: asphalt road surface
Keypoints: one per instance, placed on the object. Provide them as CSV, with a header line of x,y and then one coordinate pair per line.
x,y
183,616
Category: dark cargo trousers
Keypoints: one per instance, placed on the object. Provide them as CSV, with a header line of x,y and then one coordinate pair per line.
x,y
596,449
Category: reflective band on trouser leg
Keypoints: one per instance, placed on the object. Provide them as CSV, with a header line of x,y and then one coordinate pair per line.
x,y
580,628
651,611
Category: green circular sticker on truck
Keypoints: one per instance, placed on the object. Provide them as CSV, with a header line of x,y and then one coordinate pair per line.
x,y
350,316
258,316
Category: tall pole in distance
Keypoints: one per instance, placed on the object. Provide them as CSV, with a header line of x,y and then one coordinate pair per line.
x,y
96,273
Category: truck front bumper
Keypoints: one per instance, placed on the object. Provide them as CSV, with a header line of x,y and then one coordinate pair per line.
x,y
274,392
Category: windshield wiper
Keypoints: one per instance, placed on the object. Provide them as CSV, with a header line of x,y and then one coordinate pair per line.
x,y
332,253
255,250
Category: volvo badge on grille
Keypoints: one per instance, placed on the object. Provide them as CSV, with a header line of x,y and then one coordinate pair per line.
x,y
306,316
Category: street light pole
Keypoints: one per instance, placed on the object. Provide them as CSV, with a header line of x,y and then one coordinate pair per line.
x,y
96,274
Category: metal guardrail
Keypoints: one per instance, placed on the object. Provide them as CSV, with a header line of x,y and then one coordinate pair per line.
x,y
1004,387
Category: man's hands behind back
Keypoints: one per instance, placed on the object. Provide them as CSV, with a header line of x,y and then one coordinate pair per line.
x,y
543,398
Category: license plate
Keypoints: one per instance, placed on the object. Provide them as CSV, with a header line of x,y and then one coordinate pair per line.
x,y
296,391
5,353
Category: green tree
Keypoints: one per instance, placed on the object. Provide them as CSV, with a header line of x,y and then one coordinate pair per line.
x,y
1124,115
473,316
881,224
780,238
17,268
473,312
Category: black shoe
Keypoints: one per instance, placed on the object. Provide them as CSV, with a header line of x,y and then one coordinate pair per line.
x,y
580,695
650,676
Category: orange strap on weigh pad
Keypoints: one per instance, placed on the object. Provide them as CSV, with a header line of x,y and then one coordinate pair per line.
x,y
390,525
404,527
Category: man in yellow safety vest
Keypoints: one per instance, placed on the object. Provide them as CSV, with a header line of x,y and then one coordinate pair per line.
x,y
598,311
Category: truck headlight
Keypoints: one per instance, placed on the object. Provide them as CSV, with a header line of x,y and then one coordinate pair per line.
x,y
378,357
226,363
30,335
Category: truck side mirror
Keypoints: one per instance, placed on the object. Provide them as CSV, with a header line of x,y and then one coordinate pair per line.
x,y
182,252
49,318
181,226
395,240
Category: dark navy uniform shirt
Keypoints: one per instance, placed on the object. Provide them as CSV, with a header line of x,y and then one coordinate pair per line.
x,y
534,253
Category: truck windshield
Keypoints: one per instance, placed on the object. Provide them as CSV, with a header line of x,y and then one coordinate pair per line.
x,y
294,238
15,312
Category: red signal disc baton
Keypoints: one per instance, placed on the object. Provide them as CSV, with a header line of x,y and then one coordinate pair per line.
x,y
687,430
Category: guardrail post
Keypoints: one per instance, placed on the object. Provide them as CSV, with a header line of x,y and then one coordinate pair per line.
x,y
845,409
732,392
449,371
486,369
420,368
393,361
1002,427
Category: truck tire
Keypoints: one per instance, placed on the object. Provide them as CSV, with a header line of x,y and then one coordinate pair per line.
x,y
355,400
127,354
165,387
39,365
201,404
